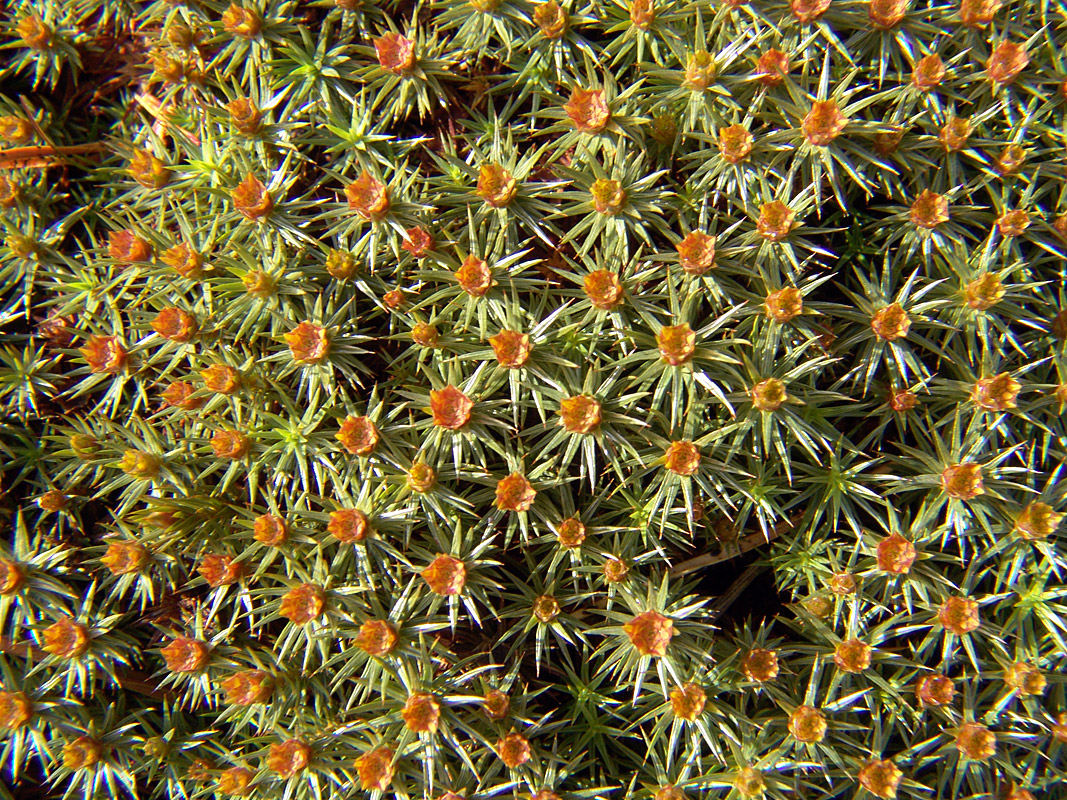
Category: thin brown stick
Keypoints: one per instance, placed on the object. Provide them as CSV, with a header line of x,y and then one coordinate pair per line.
x,y
44,155
740,547
130,679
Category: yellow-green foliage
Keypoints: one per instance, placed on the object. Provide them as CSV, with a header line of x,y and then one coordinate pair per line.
x,y
499,398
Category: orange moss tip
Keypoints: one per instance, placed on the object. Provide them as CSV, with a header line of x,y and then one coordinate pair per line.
x,y
290,758
609,197
175,324
784,305
308,343
760,665
604,289
996,393
700,71
85,751
962,481
396,53
616,570
148,170
935,690
241,21
185,655
368,197
251,199
230,444
425,335
511,348
496,186
642,13
809,10
16,709
682,458
880,777
772,67
104,354
677,344
890,323
245,116
221,378
496,704
181,395
249,687
140,466
376,637
126,247
571,532
184,260
546,608
515,493
421,478
929,210
125,558
359,435
886,14
271,530
1006,62
1025,679
552,19
807,725
928,72
749,782
696,252
895,554
12,577
853,655
375,769
976,742
776,220
580,414
220,570
349,525
421,713
650,633
419,242
15,130
959,615
235,781
446,575
514,750
475,277
1037,521
450,407
768,395
823,123
588,110
978,13
843,583
687,702
984,292
303,603
954,134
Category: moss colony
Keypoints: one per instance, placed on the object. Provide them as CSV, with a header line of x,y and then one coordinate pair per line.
x,y
611,399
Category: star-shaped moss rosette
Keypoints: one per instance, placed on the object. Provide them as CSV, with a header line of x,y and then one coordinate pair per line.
x,y
405,71
457,573
589,424
614,205
591,114
499,181
646,635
